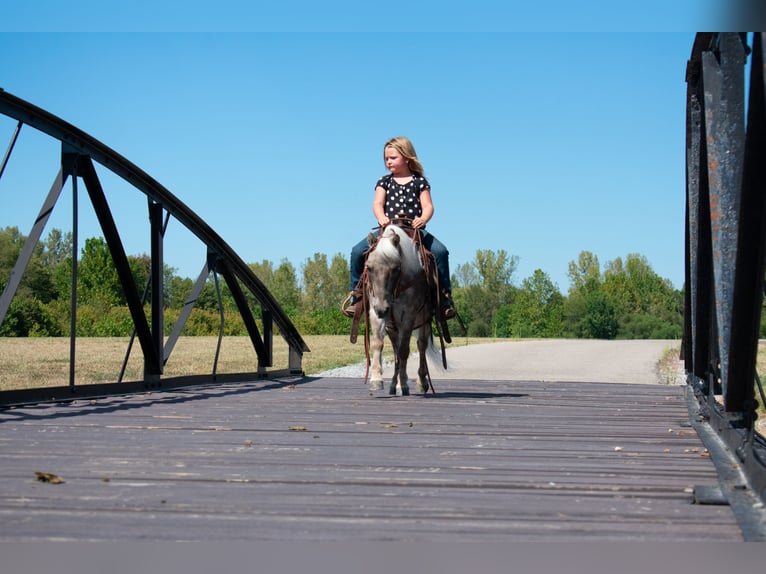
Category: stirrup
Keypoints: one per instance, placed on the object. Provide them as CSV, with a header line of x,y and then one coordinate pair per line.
x,y
348,307
448,307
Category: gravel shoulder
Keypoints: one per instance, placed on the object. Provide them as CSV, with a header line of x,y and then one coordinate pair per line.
x,y
564,360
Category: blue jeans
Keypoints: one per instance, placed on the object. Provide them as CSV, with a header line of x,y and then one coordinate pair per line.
x,y
439,250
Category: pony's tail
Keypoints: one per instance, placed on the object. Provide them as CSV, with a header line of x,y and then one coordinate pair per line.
x,y
435,357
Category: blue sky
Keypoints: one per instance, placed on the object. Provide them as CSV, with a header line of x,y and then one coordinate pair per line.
x,y
541,143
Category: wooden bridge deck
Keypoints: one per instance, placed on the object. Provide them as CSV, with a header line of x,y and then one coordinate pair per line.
x,y
322,459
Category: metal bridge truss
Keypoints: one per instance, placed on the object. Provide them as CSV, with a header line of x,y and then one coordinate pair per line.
x,y
726,241
78,153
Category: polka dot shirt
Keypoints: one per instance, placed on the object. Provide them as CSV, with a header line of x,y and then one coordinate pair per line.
x,y
403,198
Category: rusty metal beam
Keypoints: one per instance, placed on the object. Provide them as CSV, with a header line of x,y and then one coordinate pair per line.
x,y
726,241
723,81
698,258
749,279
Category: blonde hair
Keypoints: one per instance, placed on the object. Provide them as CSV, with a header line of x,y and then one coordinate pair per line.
x,y
404,146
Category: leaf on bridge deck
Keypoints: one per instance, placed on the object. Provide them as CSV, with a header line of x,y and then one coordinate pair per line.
x,y
48,477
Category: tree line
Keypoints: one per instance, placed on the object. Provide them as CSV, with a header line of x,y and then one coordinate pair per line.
x,y
624,299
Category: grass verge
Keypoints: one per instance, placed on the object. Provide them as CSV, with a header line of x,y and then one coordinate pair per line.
x,y
44,361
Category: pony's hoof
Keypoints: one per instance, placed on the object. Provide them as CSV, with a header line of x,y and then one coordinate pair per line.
x,y
392,391
376,385
405,392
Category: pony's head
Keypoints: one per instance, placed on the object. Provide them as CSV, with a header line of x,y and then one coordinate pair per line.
x,y
384,268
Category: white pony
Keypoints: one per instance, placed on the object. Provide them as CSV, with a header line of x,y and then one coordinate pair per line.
x,y
399,304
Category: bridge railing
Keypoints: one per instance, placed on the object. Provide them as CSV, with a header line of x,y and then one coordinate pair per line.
x,y
726,239
79,151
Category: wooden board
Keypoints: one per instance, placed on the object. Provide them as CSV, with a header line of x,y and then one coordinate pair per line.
x,y
323,459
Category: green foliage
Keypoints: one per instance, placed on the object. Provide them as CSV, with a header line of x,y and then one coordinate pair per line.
x,y
600,320
103,321
37,281
483,286
478,328
643,326
202,322
584,273
27,317
323,322
626,300
284,288
536,311
97,275
323,284
504,322
28,313
629,300
177,289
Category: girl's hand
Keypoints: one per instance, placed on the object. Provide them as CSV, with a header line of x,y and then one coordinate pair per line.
x,y
418,222
383,221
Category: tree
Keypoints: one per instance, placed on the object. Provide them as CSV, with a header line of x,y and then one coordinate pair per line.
x,y
57,248
264,271
585,279
11,242
629,300
97,277
484,286
637,293
29,317
465,274
323,285
177,289
337,286
600,320
584,272
536,311
27,313
37,281
284,288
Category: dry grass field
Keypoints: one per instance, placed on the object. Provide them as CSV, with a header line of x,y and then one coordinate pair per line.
x,y
38,362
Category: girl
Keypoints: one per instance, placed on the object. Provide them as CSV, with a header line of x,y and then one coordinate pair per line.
x,y
405,190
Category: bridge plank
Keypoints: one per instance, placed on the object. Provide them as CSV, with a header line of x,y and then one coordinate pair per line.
x,y
323,459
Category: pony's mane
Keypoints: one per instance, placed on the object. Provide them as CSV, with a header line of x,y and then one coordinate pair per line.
x,y
389,251
385,246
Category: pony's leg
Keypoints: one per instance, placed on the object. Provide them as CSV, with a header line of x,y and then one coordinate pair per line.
x,y
395,378
423,341
402,351
376,381
403,372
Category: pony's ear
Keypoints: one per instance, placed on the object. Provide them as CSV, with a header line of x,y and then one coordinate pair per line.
x,y
395,240
370,239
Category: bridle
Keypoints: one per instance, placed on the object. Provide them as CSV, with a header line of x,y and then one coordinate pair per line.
x,y
406,225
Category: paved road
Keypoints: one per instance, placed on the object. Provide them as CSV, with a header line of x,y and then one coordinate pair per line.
x,y
559,360
548,360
